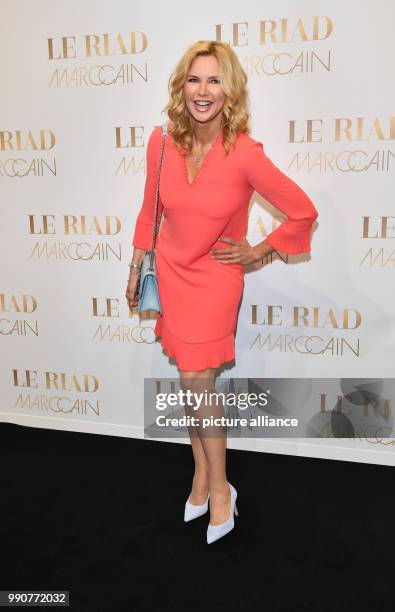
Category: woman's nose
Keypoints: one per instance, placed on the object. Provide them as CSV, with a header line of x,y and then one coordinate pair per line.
x,y
202,88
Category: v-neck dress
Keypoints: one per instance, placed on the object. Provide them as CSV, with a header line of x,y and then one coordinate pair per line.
x,y
200,296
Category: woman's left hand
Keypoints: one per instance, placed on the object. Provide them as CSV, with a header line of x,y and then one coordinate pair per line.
x,y
240,252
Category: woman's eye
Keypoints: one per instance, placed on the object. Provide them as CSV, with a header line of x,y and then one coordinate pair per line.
x,y
192,79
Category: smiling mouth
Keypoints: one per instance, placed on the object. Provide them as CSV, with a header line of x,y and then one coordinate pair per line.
x,y
202,105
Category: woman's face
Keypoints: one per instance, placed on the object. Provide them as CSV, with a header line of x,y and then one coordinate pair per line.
x,y
203,92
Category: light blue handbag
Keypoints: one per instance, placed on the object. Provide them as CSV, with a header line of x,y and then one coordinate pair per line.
x,y
148,291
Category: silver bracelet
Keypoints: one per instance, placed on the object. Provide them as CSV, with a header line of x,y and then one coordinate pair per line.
x,y
134,265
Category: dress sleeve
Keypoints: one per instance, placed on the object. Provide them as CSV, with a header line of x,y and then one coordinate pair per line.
x,y
293,235
142,237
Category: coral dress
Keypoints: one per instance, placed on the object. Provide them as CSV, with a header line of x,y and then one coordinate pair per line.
x,y
200,295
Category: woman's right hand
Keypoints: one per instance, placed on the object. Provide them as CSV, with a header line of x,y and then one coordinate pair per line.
x,y
131,290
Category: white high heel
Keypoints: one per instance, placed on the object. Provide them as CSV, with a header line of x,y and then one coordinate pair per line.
x,y
191,511
214,532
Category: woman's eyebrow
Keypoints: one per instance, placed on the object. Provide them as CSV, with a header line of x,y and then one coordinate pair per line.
x,y
215,76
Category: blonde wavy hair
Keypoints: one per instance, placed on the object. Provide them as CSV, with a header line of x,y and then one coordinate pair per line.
x,y
235,113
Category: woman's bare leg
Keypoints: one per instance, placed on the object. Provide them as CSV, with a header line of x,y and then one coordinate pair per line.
x,y
209,448
200,482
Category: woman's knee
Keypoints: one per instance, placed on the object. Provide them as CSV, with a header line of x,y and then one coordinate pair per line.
x,y
194,379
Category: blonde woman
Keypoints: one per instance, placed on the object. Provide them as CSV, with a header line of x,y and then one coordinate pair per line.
x,y
211,167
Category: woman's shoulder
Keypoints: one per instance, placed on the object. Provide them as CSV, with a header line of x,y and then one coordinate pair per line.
x,y
155,134
244,143
154,141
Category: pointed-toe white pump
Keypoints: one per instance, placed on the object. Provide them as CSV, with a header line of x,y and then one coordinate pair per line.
x,y
214,532
191,511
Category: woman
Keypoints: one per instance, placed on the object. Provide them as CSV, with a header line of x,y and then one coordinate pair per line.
x,y
210,169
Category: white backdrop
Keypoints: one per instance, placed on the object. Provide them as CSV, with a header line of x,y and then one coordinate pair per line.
x,y
83,84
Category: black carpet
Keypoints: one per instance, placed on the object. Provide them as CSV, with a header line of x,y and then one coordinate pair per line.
x,y
102,517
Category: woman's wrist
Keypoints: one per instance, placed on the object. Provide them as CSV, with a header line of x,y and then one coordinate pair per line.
x,y
262,250
134,271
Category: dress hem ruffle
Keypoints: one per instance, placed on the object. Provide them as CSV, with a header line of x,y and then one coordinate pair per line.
x,y
195,356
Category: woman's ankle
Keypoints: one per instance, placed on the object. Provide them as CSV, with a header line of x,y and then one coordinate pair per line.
x,y
220,488
200,482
